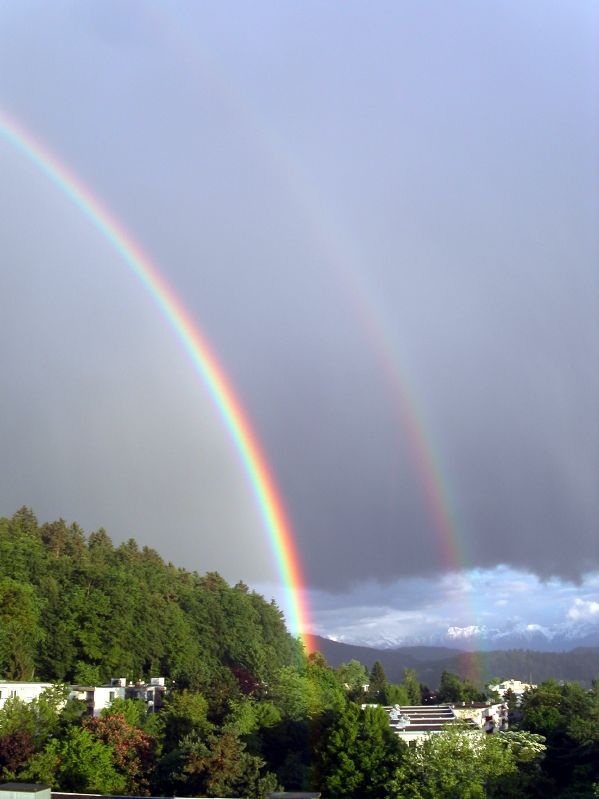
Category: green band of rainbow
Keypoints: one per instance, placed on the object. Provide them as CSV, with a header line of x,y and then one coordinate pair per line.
x,y
206,365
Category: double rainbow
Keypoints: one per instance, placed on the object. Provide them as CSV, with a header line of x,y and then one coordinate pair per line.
x,y
203,358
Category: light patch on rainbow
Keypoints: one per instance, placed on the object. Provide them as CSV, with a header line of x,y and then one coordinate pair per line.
x,y
205,363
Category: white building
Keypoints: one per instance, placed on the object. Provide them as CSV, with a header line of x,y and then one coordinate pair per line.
x,y
99,697
415,722
96,697
517,687
25,691
490,717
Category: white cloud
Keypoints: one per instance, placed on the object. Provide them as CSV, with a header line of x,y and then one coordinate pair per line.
x,y
584,610
422,609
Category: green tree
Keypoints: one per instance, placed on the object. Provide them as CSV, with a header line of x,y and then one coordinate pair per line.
x,y
377,682
290,693
325,691
412,687
458,763
19,629
357,755
395,695
353,675
218,765
453,689
76,763
184,713
41,718
568,717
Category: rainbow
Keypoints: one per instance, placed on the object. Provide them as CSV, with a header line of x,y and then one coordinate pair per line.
x,y
361,297
267,496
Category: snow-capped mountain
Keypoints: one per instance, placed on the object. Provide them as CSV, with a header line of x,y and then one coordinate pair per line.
x,y
514,635
557,638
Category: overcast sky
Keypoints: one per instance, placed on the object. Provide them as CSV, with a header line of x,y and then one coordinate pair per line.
x,y
384,219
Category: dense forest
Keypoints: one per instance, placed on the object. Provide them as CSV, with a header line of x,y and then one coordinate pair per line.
x,y
247,710
78,609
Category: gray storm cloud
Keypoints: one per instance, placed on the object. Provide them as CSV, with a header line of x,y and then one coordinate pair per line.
x,y
348,202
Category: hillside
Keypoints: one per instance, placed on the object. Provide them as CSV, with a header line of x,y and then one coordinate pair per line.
x,y
77,608
581,664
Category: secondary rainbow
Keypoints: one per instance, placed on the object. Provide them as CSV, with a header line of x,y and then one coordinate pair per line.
x,y
205,362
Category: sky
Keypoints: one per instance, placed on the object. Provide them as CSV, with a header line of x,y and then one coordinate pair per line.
x,y
384,221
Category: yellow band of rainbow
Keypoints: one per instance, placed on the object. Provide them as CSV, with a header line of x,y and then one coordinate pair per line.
x,y
205,363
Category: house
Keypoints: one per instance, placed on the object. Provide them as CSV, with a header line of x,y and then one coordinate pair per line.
x,y
151,693
25,691
515,686
99,697
96,697
412,723
488,716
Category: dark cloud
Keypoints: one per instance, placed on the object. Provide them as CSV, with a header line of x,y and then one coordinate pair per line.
x,y
365,212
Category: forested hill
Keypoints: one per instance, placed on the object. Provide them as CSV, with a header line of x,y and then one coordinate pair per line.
x,y
76,608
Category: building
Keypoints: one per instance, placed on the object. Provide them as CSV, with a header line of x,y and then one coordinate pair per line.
x,y
151,693
415,722
96,697
488,716
515,686
25,691
99,697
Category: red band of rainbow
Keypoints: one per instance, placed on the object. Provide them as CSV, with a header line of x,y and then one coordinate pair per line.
x,y
205,362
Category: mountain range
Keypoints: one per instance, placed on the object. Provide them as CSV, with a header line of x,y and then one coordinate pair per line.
x,y
560,637
579,664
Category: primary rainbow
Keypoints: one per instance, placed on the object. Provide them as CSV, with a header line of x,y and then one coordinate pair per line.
x,y
267,496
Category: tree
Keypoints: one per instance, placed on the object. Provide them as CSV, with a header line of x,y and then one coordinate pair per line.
x,y
353,675
377,682
510,698
77,763
15,750
452,689
218,765
568,717
290,694
133,749
458,763
183,713
357,755
41,718
19,630
325,692
412,687
395,695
